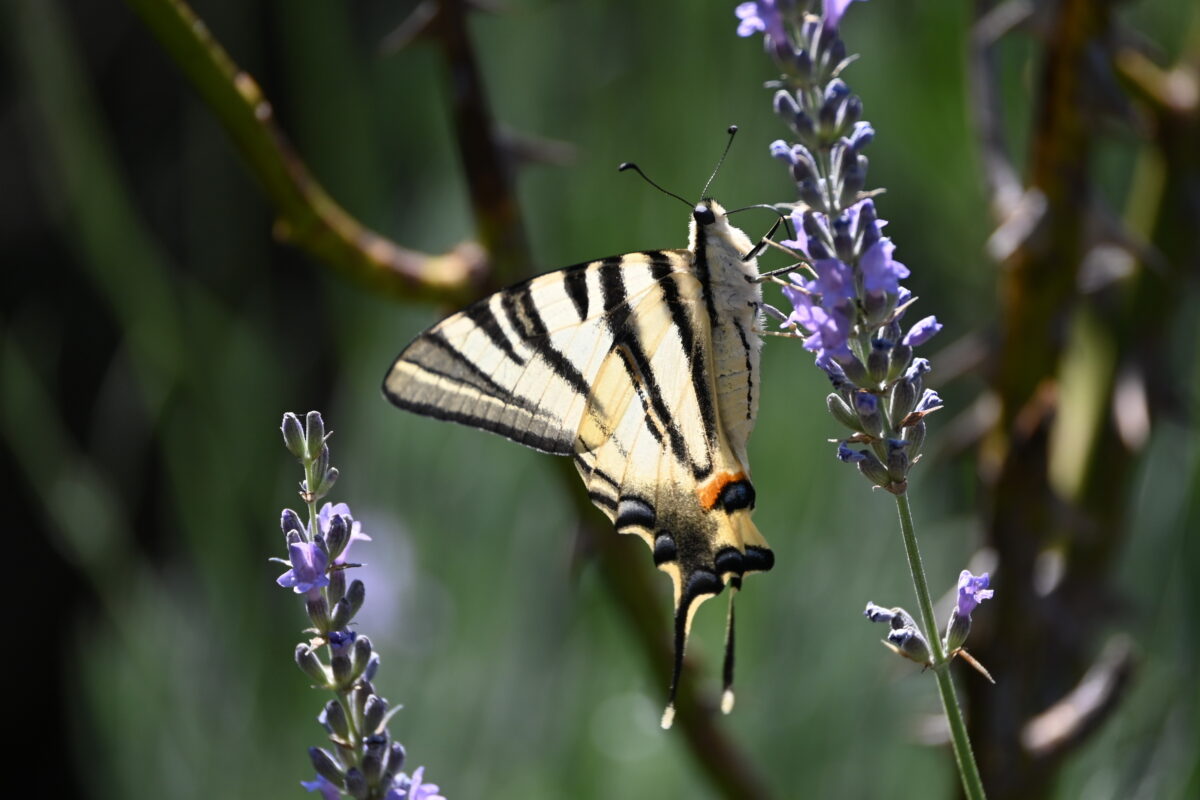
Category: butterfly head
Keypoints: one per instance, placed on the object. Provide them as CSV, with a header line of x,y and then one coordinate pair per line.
x,y
710,228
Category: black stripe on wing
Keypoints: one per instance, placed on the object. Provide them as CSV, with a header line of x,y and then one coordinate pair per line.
x,y
697,364
617,313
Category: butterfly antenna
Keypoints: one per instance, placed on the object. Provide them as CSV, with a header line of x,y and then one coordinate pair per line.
x,y
638,170
732,131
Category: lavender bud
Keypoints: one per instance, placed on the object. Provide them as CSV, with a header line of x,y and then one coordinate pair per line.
x,y
877,360
849,113
290,521
373,713
786,105
897,461
804,166
339,534
915,436
866,408
318,610
878,305
314,434
293,435
320,467
325,765
356,784
343,613
372,667
912,644
307,660
818,235
334,718
395,762
957,630
902,400
843,238
840,410
327,481
356,594
359,695
375,752
342,671
837,51
854,369
361,654
854,178
804,64
337,588
811,192
880,614
901,357
872,469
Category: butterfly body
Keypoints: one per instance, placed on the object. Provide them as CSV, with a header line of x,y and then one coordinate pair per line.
x,y
644,369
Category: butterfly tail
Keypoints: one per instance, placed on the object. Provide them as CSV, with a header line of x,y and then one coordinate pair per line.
x,y
727,671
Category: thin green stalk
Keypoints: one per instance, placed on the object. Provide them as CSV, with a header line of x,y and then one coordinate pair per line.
x,y
972,784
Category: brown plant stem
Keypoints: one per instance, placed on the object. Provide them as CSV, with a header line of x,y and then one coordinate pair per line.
x,y
1075,375
308,216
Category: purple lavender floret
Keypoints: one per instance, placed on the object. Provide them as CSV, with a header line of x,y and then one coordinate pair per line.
x,y
972,590
413,788
833,12
307,574
323,785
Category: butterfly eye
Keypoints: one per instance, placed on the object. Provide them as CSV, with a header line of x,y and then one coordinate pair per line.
x,y
704,215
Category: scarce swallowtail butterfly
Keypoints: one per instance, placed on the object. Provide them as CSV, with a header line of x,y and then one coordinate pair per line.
x,y
644,369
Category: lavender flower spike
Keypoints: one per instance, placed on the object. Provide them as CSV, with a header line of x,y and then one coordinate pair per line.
x,y
368,762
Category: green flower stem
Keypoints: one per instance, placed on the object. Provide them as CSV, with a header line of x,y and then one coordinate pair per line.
x,y
972,784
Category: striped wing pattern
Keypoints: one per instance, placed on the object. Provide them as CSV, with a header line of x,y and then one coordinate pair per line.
x,y
610,362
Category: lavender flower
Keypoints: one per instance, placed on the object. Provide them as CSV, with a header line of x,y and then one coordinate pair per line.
x,y
972,590
833,11
307,574
365,764
847,302
323,785
414,788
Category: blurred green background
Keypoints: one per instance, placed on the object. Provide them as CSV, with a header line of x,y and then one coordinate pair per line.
x,y
154,332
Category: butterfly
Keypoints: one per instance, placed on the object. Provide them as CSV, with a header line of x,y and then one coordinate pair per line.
x,y
644,369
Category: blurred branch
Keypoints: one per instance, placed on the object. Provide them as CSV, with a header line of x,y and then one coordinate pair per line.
x,y
481,145
1066,723
308,216
1004,185
1074,408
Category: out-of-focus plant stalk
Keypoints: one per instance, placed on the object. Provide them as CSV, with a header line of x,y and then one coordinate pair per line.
x,y
308,216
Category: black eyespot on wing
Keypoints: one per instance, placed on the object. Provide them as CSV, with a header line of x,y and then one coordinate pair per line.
x,y
736,495
702,582
728,560
757,559
635,511
704,215
664,549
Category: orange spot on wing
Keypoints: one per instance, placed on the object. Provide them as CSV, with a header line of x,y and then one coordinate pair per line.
x,y
710,490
